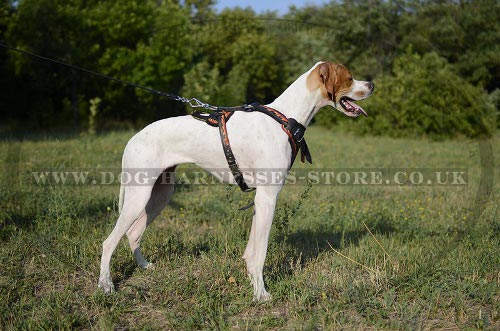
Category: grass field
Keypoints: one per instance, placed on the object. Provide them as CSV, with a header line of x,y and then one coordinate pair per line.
x,y
432,261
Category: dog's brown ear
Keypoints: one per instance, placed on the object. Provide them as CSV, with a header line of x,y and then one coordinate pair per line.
x,y
328,78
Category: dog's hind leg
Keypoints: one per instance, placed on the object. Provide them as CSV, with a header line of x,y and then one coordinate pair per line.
x,y
136,207
135,201
161,194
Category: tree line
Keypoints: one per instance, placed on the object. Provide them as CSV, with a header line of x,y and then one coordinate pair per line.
x,y
436,63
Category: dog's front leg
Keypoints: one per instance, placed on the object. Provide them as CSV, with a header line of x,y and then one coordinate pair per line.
x,y
249,249
255,253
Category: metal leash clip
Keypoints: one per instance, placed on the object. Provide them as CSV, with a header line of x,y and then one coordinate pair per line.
x,y
195,103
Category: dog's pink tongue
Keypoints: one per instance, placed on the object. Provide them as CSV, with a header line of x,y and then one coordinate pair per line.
x,y
357,108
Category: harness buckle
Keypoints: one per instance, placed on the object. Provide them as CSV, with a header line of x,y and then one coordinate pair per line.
x,y
299,133
296,129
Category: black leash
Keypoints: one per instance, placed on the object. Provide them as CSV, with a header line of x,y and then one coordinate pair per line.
x,y
193,102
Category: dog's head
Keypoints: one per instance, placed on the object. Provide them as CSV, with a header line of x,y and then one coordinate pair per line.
x,y
338,88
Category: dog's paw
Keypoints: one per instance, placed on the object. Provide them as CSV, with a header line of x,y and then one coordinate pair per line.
x,y
146,265
263,296
106,285
150,266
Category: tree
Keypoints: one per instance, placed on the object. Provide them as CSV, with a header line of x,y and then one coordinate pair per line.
x,y
51,28
236,60
466,34
122,38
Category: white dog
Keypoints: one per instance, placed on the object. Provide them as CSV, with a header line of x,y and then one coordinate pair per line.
x,y
257,141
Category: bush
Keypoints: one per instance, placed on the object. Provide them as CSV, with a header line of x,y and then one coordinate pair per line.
x,y
423,96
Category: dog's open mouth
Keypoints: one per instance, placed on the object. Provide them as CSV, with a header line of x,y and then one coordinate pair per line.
x,y
350,108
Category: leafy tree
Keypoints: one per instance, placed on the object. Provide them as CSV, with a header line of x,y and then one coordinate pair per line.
x,y
142,51
466,34
122,38
52,28
361,34
234,49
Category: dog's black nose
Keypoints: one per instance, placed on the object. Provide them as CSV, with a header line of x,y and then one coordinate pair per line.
x,y
371,86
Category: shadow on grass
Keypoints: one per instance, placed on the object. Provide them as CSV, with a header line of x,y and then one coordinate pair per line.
x,y
123,272
310,243
305,245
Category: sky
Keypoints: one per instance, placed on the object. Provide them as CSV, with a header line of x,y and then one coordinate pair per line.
x,y
262,5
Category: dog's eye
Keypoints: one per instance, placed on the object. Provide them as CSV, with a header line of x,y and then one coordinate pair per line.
x,y
350,78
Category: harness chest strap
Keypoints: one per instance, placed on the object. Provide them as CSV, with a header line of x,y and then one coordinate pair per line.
x,y
294,130
231,160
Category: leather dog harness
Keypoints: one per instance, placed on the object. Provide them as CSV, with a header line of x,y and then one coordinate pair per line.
x,y
294,130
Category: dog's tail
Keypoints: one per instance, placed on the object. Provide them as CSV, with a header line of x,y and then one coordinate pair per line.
x,y
122,194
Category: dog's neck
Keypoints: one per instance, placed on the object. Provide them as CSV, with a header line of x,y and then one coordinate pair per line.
x,y
298,102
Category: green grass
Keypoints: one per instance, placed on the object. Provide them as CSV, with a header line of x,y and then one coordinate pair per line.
x,y
441,271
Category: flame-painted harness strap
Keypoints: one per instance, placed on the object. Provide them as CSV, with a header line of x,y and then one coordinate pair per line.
x,y
294,130
219,119
231,160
